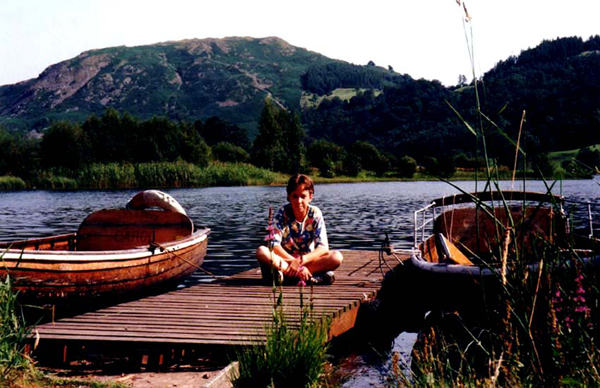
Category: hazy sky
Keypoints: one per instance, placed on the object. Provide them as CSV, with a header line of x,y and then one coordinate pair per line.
x,y
423,38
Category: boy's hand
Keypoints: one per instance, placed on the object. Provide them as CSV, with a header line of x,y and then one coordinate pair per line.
x,y
304,274
294,268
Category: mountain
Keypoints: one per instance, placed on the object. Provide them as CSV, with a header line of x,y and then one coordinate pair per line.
x,y
183,80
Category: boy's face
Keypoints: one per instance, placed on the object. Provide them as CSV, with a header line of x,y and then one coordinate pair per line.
x,y
300,198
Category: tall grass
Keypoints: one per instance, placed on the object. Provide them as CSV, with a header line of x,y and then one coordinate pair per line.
x,y
158,174
51,180
293,354
541,327
12,183
13,361
106,176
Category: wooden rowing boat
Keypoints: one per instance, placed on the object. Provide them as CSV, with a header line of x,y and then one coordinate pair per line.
x,y
114,251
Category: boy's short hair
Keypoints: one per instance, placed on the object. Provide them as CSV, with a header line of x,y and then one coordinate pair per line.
x,y
300,179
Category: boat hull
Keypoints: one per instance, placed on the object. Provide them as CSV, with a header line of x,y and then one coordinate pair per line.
x,y
41,273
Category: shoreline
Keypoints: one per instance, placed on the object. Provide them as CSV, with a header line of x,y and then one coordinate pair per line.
x,y
183,175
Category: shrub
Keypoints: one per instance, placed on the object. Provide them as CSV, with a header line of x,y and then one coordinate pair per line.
x,y
12,183
407,167
227,152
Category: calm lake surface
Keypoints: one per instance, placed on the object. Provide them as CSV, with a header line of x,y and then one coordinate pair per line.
x,y
356,216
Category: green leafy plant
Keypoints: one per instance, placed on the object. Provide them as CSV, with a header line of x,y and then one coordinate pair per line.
x,y
14,333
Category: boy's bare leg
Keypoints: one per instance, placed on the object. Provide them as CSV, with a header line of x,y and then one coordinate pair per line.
x,y
270,259
328,262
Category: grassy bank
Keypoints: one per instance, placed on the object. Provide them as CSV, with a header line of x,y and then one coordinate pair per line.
x,y
158,175
182,174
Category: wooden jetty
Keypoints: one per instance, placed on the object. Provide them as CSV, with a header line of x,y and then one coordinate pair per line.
x,y
212,316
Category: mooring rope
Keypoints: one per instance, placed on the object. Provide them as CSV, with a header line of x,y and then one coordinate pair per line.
x,y
153,245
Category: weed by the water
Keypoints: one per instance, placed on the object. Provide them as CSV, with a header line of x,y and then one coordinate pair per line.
x,y
540,328
13,361
12,183
293,354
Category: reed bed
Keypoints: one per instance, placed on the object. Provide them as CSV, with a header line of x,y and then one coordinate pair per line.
x,y
12,183
158,175
49,180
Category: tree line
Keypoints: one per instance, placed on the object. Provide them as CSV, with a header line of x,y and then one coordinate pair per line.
x,y
282,145
113,137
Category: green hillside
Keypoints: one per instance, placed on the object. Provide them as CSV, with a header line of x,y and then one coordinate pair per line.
x,y
183,80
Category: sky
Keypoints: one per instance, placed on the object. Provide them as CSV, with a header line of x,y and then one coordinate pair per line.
x,y
422,38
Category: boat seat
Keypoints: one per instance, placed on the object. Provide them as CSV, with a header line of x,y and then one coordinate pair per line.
x,y
438,249
480,234
115,229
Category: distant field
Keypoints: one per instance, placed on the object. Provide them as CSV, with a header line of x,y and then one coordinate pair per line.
x,y
310,100
561,156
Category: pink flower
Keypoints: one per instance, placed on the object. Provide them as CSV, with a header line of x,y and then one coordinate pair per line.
x,y
582,309
301,283
270,229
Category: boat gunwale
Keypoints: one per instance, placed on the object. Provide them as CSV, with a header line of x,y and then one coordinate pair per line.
x,y
493,196
90,256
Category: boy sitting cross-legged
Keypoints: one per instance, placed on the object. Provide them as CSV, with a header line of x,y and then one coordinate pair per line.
x,y
300,247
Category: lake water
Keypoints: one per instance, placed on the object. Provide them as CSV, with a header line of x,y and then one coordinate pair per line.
x,y
356,215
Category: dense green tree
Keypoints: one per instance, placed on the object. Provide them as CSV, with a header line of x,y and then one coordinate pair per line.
x,y
267,149
214,130
323,79
62,146
227,152
407,166
8,150
442,167
279,145
369,157
193,148
328,157
19,155
112,140
293,141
